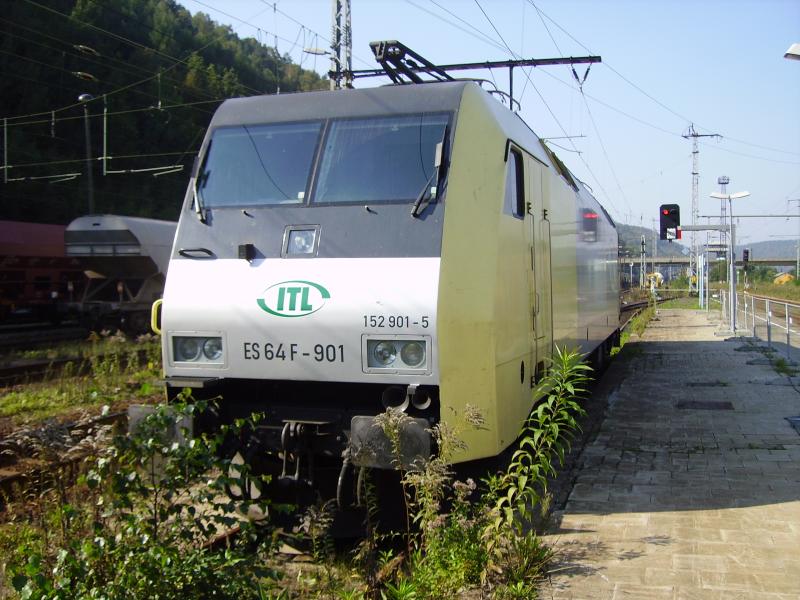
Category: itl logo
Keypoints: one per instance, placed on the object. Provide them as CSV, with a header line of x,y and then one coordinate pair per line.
x,y
293,298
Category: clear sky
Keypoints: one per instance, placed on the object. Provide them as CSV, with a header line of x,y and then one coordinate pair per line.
x,y
715,63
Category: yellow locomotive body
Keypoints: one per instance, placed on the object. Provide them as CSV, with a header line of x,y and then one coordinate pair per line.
x,y
512,286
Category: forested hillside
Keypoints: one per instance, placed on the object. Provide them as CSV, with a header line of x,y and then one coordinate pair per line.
x,y
158,71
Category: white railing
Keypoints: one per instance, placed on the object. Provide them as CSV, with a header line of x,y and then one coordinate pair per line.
x,y
765,318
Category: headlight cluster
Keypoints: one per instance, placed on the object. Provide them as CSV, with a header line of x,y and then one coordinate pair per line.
x,y
397,354
197,349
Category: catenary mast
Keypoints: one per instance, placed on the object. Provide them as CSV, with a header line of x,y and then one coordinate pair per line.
x,y
341,73
691,133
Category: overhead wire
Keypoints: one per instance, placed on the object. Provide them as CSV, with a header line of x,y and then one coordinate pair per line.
x,y
83,160
104,95
61,69
176,61
605,152
552,114
249,23
116,113
274,6
651,97
478,34
772,160
591,116
119,65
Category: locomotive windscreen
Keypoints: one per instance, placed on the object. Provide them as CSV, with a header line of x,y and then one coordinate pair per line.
x,y
369,160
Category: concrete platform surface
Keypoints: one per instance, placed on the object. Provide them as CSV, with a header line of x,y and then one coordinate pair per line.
x,y
691,488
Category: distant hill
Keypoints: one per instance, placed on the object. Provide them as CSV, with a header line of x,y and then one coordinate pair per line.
x,y
770,249
630,240
630,237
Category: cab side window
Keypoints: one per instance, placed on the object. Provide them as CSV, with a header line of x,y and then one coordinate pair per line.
x,y
514,203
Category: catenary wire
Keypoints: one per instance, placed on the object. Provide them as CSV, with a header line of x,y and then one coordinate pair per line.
x,y
119,65
552,114
654,99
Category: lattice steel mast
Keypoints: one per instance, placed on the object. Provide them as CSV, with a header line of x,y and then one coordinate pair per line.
x,y
341,73
691,133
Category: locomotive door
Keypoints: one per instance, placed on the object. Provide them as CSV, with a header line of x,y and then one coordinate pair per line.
x,y
541,292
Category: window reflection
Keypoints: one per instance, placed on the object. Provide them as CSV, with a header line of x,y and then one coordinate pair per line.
x,y
379,160
259,164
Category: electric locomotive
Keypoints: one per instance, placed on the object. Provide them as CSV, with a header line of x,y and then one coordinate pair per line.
x,y
408,246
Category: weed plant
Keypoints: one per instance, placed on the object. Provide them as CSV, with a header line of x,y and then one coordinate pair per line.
x,y
148,506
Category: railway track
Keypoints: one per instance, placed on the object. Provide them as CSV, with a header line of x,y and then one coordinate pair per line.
x,y
33,370
629,310
32,335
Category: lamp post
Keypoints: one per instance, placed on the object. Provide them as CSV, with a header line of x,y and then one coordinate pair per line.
x,y
731,252
85,99
335,73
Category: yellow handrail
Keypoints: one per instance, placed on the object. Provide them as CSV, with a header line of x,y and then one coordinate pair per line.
x,y
155,316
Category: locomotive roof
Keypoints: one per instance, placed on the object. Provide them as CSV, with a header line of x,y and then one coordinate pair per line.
x,y
387,100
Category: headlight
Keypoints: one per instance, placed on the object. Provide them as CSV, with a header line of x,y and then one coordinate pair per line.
x,y
396,354
385,353
413,354
197,349
187,348
212,348
301,241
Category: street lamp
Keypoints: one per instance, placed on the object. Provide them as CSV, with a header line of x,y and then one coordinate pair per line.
x,y
85,99
335,73
793,53
731,252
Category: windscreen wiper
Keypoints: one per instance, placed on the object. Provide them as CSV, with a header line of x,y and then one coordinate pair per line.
x,y
197,199
430,191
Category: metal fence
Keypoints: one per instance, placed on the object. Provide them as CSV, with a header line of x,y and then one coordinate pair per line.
x,y
776,321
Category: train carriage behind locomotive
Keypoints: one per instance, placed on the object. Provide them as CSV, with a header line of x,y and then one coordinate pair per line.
x,y
124,260
415,246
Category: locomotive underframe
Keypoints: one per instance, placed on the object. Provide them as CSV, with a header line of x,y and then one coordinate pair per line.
x,y
313,429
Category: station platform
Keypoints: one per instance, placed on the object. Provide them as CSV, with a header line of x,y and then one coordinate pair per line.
x,y
691,487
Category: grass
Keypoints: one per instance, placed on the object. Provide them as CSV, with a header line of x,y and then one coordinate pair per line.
x,y
114,372
97,344
789,291
782,367
685,302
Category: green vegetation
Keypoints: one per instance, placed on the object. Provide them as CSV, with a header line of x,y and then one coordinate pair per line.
x,y
98,375
782,367
636,327
139,522
136,525
684,302
158,70
789,291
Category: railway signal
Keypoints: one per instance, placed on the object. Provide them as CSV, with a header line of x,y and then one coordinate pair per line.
x,y
670,215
